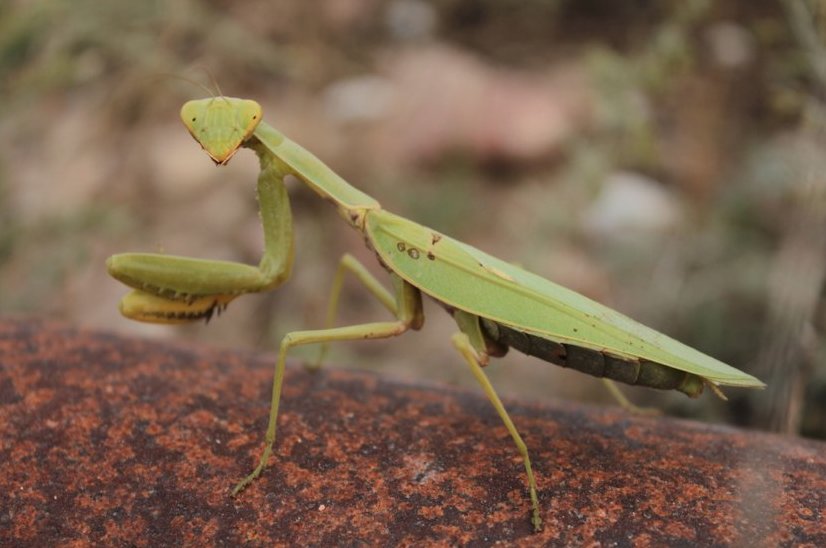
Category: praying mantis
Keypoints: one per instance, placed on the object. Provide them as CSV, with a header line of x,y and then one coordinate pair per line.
x,y
495,304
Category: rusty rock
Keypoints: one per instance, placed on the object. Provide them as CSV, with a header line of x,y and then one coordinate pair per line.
x,y
117,441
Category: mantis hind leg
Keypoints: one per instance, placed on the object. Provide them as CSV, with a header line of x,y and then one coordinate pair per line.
x,y
476,358
408,303
624,402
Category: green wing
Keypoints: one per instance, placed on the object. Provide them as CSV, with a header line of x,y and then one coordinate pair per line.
x,y
471,280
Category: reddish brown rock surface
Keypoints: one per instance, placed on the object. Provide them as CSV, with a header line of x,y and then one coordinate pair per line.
x,y
117,441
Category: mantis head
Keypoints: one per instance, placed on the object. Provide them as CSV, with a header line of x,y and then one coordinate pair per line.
x,y
221,124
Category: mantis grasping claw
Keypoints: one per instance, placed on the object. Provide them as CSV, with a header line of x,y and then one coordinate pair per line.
x,y
495,304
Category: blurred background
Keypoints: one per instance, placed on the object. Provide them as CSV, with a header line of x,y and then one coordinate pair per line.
x,y
665,158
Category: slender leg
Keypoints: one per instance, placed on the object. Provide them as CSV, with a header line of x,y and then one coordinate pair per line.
x,y
348,263
409,306
463,345
625,403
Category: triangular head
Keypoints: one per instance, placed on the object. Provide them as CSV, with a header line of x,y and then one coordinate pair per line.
x,y
221,124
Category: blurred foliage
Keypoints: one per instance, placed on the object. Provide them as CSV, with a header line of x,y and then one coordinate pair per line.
x,y
719,103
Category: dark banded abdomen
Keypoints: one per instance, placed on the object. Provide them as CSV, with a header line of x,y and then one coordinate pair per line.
x,y
639,372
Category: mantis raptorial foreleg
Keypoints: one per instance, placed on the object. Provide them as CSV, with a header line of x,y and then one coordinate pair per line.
x,y
348,263
408,303
476,357
175,289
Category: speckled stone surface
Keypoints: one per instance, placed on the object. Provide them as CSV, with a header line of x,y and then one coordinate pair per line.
x,y
117,442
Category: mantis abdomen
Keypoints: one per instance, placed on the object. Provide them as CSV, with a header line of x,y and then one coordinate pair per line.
x,y
639,372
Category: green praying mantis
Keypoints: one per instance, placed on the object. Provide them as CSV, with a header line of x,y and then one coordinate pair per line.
x,y
495,304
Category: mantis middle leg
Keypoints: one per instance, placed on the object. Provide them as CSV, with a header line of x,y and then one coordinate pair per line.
x,y
348,263
408,307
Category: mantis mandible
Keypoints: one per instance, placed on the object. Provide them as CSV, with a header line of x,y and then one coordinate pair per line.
x,y
495,304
